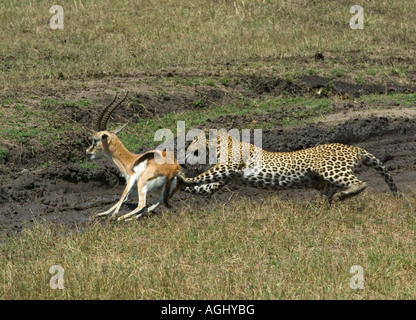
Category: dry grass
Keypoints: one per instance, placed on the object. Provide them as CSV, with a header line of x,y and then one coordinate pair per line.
x,y
107,37
245,250
272,249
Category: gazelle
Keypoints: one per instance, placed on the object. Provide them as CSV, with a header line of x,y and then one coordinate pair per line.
x,y
149,171
145,170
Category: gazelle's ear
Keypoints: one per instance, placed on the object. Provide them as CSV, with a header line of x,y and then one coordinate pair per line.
x,y
120,128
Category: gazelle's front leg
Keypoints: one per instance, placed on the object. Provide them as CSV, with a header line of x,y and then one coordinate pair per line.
x,y
142,192
116,207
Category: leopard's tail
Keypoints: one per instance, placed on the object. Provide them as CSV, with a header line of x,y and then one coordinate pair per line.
x,y
371,161
189,185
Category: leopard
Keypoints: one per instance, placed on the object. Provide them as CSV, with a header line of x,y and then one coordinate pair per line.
x,y
328,168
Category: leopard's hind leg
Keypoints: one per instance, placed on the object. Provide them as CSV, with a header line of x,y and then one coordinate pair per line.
x,y
341,188
352,190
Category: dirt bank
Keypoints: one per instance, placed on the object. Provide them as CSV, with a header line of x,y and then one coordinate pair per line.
x,y
65,192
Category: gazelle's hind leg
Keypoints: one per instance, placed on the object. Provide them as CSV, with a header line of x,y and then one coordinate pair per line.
x,y
144,186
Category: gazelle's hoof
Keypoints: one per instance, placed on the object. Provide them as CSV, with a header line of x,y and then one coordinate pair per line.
x,y
135,217
100,215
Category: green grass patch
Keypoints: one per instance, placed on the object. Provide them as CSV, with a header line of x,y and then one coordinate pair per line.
x,y
298,110
143,132
399,99
4,153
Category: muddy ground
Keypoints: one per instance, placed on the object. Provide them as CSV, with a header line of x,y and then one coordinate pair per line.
x,y
66,193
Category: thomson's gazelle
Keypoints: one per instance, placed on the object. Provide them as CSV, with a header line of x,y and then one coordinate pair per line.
x,y
149,171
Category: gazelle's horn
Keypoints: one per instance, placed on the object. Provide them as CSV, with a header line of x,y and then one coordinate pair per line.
x,y
97,123
108,111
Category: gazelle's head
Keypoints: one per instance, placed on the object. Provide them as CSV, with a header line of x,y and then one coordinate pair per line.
x,y
101,137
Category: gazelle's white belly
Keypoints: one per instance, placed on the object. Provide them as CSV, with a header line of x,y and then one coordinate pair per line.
x,y
155,185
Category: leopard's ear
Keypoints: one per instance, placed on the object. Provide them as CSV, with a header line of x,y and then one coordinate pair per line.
x,y
211,133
